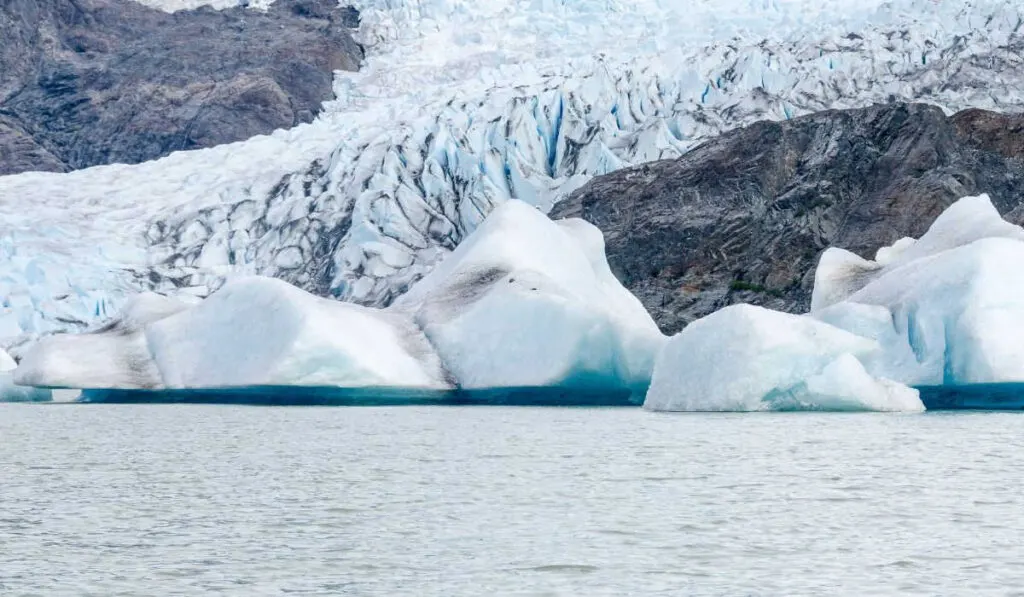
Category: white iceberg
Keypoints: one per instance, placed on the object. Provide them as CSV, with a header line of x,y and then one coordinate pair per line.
x,y
11,392
268,332
524,302
254,331
947,309
841,274
528,302
943,310
747,358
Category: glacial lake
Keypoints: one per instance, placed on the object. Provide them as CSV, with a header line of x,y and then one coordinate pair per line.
x,y
158,499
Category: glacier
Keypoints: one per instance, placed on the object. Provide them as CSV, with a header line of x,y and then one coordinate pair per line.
x,y
461,106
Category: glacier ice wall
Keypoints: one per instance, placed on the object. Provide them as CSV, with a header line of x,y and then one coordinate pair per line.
x,y
460,106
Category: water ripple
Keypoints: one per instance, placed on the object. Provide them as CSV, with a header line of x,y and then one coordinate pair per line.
x,y
225,500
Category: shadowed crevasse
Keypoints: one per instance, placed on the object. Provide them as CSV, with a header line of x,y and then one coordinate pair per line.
x,y
90,82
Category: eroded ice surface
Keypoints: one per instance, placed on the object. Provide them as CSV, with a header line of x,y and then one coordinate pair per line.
x,y
460,106
530,302
948,309
254,331
525,302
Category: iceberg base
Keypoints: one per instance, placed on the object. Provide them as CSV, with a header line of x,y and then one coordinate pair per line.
x,y
266,395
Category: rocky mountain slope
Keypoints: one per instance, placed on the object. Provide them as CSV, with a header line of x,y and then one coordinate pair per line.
x,y
744,217
87,82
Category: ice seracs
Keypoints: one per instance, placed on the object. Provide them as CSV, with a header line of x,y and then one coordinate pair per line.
x,y
747,358
526,301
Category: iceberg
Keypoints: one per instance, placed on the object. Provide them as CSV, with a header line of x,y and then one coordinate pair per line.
x,y
11,392
942,311
841,274
947,309
525,302
747,358
528,302
254,331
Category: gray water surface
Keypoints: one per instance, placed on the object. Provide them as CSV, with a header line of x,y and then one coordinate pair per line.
x,y
196,500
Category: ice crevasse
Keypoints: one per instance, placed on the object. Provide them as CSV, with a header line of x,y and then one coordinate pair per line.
x,y
943,310
524,302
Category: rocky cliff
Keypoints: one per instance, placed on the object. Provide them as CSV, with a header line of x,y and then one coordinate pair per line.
x,y
744,217
87,82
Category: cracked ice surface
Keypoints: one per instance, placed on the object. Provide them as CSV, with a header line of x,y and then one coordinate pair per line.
x,y
460,106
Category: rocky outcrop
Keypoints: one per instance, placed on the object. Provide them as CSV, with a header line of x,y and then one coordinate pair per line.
x,y
744,217
87,82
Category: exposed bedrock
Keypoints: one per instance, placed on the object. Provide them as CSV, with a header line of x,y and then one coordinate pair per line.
x,y
89,82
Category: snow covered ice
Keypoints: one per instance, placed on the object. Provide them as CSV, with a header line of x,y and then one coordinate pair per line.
x,y
747,358
528,302
459,107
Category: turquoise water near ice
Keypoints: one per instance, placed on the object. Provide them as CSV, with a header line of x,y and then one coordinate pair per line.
x,y
1005,396
335,396
185,499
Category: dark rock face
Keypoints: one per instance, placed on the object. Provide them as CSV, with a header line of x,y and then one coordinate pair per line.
x,y
87,82
744,218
